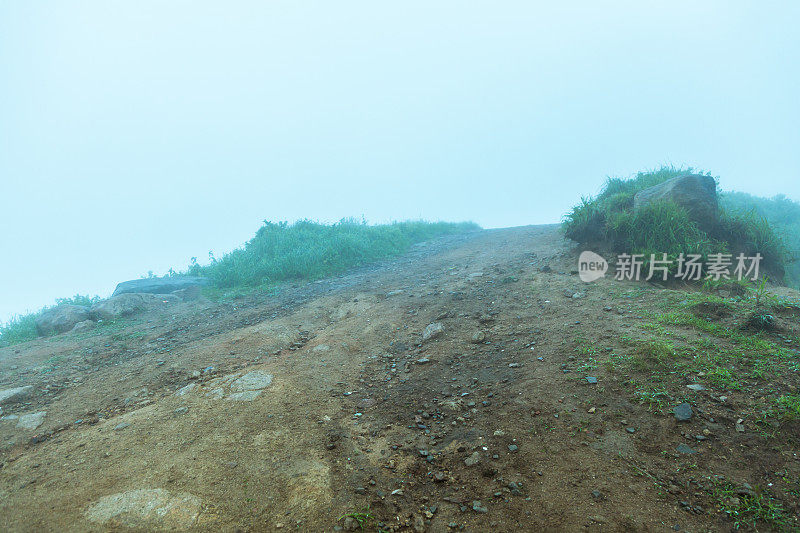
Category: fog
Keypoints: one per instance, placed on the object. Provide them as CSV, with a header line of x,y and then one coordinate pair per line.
x,y
136,135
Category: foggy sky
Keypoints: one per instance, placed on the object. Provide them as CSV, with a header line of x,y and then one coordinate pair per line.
x,y
135,135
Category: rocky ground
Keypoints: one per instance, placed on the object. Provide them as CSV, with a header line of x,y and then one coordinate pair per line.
x,y
475,384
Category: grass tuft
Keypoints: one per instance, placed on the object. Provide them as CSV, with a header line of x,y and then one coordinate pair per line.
x,y
308,250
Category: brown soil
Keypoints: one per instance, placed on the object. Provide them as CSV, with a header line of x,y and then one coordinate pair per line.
x,y
362,414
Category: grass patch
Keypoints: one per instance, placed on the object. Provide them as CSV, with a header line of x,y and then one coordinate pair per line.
x,y
282,252
308,250
609,222
788,406
750,510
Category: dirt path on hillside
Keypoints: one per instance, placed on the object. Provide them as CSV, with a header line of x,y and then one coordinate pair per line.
x,y
288,412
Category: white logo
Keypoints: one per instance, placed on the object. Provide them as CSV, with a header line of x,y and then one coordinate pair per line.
x,y
591,266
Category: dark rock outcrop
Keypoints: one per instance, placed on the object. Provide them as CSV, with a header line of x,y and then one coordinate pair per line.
x,y
694,192
164,285
128,304
60,319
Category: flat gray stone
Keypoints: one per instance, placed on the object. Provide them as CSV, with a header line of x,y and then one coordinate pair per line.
x,y
695,387
183,391
252,381
14,394
244,396
31,420
146,509
682,412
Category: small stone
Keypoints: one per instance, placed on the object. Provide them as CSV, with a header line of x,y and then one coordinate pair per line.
x,y
361,490
630,430
685,448
592,410
591,380
597,495
181,410
682,412
478,507
423,360
478,337
432,331
740,426
473,459
121,425
695,387
512,448
31,420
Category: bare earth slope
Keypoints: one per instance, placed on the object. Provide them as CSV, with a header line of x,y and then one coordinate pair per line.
x,y
287,412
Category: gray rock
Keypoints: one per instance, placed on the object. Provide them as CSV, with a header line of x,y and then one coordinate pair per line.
x,y
189,293
146,509
432,331
31,420
15,394
695,387
473,459
254,380
121,425
478,507
694,192
478,337
60,319
685,448
128,304
183,391
591,380
163,285
84,325
682,412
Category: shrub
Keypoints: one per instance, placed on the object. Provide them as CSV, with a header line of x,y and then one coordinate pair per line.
x,y
609,221
782,214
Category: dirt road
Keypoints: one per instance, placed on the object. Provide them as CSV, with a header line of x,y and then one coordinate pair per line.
x,y
290,411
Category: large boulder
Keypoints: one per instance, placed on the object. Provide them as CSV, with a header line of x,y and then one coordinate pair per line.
x,y
128,304
694,192
164,285
60,319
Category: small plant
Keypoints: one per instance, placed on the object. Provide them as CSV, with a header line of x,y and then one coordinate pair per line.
x,y
362,518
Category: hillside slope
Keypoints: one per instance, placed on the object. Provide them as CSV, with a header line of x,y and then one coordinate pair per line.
x,y
291,411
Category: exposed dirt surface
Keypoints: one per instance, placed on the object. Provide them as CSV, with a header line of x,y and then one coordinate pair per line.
x,y
290,411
